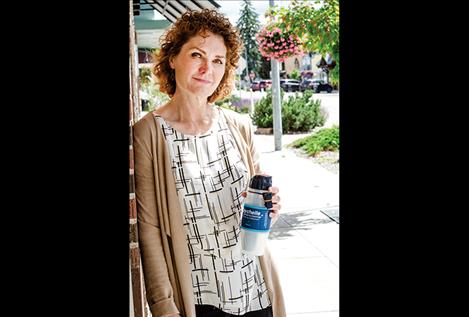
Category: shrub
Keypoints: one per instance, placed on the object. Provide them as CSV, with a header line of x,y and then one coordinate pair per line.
x,y
295,74
233,102
300,113
262,114
326,139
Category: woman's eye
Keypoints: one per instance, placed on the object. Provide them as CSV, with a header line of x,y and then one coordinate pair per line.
x,y
218,61
195,54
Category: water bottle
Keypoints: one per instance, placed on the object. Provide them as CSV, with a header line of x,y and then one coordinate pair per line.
x,y
255,222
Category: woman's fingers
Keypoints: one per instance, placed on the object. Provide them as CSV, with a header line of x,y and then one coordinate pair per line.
x,y
273,190
275,210
272,201
275,199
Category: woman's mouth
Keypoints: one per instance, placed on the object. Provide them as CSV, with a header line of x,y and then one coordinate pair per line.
x,y
202,80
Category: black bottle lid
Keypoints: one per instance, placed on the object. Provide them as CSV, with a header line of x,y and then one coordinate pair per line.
x,y
261,182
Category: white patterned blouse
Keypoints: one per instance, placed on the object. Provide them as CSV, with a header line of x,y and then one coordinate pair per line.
x,y
210,176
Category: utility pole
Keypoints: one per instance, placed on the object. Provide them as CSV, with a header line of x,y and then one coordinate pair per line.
x,y
276,101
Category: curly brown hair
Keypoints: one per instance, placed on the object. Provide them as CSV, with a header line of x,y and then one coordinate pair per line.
x,y
188,25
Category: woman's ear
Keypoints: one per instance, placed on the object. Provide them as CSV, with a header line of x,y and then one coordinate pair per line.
x,y
171,62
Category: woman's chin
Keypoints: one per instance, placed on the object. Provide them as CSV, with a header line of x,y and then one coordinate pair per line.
x,y
203,93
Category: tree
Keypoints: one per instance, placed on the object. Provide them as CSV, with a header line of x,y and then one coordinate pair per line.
x,y
248,25
317,27
264,68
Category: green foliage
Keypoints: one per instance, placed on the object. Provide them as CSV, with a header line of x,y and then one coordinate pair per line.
x,y
155,97
264,69
300,113
317,27
145,75
326,139
295,74
262,114
149,87
234,103
248,25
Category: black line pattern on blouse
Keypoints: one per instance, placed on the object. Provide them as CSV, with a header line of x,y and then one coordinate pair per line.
x,y
210,176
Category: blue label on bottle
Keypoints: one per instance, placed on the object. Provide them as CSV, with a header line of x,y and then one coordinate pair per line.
x,y
255,218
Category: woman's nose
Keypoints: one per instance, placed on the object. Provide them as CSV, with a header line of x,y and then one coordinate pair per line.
x,y
206,67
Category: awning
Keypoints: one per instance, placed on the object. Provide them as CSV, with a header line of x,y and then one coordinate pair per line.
x,y
172,9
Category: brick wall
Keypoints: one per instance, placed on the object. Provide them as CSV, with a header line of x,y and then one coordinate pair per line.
x,y
137,290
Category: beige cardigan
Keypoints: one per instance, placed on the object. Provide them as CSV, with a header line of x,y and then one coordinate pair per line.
x,y
165,257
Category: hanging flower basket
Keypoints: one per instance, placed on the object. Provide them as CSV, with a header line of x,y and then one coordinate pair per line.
x,y
277,44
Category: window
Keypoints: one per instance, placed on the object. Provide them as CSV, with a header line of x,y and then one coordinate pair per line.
x,y
297,63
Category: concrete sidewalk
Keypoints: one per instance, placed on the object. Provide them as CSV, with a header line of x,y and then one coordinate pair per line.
x,y
305,239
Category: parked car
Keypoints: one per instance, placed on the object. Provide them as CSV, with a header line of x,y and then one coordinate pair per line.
x,y
255,85
290,84
316,84
266,83
261,84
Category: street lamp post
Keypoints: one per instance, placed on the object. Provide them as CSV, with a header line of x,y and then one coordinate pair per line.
x,y
276,101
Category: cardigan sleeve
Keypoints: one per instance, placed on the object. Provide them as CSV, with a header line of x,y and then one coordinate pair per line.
x,y
158,287
252,147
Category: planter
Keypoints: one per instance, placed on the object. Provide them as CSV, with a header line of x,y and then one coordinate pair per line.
x,y
264,131
275,43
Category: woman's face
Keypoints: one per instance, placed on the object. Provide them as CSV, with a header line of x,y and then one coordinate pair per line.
x,y
200,65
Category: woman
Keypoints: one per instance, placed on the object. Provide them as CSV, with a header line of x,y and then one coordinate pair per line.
x,y
193,162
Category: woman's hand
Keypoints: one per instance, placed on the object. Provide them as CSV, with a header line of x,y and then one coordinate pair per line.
x,y
275,210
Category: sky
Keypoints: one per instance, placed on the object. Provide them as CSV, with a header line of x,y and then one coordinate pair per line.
x,y
232,9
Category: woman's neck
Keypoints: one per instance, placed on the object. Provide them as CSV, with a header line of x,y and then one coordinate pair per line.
x,y
187,109
192,116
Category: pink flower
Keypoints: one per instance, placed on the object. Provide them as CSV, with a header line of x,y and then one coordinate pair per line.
x,y
277,44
